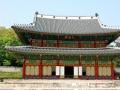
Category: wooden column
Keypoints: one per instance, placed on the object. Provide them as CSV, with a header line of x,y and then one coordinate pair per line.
x,y
80,64
80,60
96,67
94,43
95,46
40,67
24,68
58,41
58,58
42,40
79,44
112,70
30,41
40,70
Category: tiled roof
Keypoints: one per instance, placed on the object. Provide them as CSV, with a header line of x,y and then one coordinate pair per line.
x,y
53,50
67,25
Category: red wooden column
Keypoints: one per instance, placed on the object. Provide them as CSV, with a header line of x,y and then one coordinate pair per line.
x,y
58,41
94,43
80,60
30,41
58,58
42,40
80,64
96,67
112,70
79,44
40,67
40,70
24,68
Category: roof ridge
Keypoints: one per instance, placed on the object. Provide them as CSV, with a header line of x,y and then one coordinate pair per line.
x,y
65,17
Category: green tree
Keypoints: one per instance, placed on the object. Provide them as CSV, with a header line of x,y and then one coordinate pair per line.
x,y
8,38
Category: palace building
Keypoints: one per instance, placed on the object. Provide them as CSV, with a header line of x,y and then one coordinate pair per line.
x,y
66,47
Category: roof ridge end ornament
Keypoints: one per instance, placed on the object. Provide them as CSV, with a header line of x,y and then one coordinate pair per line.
x,y
35,18
66,17
53,16
96,14
36,13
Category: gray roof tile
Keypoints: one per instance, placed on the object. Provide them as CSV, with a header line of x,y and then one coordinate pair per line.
x,y
84,25
54,50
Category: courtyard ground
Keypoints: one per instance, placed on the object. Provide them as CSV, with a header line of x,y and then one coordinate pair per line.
x,y
51,84
54,84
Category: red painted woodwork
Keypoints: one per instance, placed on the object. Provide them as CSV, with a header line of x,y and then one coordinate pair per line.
x,y
40,67
24,68
58,41
80,64
96,67
30,41
80,59
79,44
42,43
40,70
42,40
96,71
112,71
94,44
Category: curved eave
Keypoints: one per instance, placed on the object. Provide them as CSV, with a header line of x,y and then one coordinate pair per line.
x,y
66,51
32,29
74,27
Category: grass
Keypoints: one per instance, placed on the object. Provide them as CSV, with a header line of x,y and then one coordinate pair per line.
x,y
10,75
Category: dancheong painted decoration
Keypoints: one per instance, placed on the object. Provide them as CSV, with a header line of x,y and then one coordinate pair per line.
x,y
63,47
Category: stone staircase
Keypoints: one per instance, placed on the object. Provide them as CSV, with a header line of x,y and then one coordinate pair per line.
x,y
65,84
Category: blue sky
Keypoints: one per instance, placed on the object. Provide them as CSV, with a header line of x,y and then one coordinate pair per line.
x,y
22,11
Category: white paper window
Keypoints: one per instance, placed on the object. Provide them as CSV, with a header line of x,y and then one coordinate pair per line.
x,y
75,71
57,70
62,70
80,71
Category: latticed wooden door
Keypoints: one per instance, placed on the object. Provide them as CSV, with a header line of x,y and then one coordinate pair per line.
x,y
32,70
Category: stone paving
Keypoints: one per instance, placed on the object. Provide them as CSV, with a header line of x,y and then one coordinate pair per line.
x,y
66,84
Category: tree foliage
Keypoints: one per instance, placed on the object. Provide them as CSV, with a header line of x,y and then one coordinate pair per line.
x,y
8,38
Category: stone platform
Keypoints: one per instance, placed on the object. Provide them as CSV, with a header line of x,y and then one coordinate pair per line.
x,y
66,84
